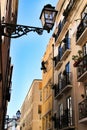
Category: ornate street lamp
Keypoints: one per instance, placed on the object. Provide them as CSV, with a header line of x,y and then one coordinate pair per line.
x,y
18,114
8,121
48,16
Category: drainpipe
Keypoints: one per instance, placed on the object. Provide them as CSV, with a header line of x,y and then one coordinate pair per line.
x,y
52,83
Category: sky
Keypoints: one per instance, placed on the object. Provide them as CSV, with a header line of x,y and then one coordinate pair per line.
x,y
27,52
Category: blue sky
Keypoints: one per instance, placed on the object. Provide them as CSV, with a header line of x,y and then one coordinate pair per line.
x,y
27,52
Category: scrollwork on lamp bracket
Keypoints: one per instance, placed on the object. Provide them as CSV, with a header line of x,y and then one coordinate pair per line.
x,y
48,16
15,31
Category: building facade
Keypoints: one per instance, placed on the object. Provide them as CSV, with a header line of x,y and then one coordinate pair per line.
x,y
70,59
47,81
8,14
31,110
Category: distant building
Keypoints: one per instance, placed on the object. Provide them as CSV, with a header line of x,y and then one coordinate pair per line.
x,y
11,125
31,110
18,124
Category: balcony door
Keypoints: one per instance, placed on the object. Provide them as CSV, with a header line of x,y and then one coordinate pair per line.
x,y
67,40
84,62
84,50
60,81
84,17
69,107
60,52
60,114
67,67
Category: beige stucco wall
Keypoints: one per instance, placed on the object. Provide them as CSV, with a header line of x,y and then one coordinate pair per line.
x,y
30,118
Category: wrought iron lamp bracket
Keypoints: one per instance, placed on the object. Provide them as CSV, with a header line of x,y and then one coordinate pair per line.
x,y
15,31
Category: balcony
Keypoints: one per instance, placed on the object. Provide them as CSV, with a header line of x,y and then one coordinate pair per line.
x,y
70,11
58,62
64,85
83,38
82,70
69,8
65,121
69,15
62,31
59,30
83,111
81,35
66,49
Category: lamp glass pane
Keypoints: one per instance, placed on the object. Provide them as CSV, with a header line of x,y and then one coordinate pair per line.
x,y
49,16
43,19
18,114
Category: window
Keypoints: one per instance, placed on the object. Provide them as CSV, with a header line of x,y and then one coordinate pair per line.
x,y
85,87
68,74
40,116
84,17
85,49
84,13
60,110
70,4
59,81
67,67
60,114
68,102
47,92
59,26
23,124
7,5
39,127
20,128
55,121
40,95
84,63
49,120
69,108
60,52
39,109
40,86
67,40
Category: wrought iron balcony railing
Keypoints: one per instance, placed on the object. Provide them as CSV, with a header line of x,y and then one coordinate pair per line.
x,y
59,30
60,26
66,120
67,79
57,59
66,46
69,7
83,109
82,26
63,83
82,67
